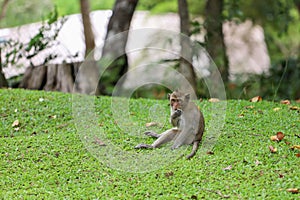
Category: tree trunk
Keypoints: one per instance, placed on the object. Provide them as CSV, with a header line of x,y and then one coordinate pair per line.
x,y
51,77
3,9
3,81
114,47
214,37
186,66
87,26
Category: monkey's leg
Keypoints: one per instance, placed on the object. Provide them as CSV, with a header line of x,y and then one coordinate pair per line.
x,y
165,137
152,134
143,146
194,150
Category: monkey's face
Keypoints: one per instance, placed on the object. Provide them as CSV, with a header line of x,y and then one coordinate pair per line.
x,y
178,101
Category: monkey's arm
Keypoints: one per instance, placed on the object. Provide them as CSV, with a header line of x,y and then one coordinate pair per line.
x,y
190,127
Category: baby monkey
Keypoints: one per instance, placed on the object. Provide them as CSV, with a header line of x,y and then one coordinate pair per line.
x,y
187,121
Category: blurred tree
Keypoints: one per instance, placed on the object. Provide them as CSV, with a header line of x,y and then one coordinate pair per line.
x,y
115,43
3,9
3,81
186,67
279,19
214,39
87,26
19,12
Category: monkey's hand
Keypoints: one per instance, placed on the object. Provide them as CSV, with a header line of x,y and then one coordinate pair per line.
x,y
176,114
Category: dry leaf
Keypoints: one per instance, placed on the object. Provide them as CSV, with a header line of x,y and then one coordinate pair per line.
x,y
227,168
52,117
293,190
214,100
210,153
151,124
280,136
169,174
15,123
272,149
295,147
249,107
256,99
294,108
257,162
241,115
281,176
298,155
276,109
99,142
274,138
287,102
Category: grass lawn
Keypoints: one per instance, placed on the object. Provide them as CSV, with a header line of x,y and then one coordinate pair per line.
x,y
43,155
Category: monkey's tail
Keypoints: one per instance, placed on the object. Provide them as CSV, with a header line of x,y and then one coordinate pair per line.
x,y
194,150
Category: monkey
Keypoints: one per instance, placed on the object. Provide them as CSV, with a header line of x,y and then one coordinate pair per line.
x,y
187,121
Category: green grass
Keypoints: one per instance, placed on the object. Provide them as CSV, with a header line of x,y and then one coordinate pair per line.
x,y
44,157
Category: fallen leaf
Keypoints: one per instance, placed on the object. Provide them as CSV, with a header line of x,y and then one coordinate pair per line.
x,y
56,154
249,107
281,176
151,124
52,117
280,136
41,99
214,100
272,149
274,138
295,147
17,129
169,174
286,101
99,142
241,115
257,162
15,123
210,153
256,99
227,168
294,108
298,155
33,133
276,109
293,190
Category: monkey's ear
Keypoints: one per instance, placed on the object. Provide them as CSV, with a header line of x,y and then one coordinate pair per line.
x,y
187,97
169,95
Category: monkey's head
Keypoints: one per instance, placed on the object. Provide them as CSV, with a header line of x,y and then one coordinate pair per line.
x,y
178,100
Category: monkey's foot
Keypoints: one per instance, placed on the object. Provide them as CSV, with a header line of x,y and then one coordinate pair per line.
x,y
144,146
152,134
